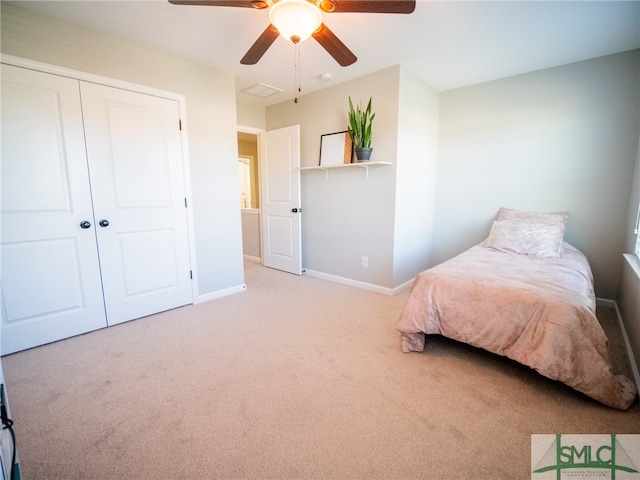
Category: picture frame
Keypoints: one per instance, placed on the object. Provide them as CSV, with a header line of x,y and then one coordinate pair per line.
x,y
335,149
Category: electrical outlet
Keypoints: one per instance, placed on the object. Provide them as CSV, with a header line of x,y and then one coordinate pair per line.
x,y
365,261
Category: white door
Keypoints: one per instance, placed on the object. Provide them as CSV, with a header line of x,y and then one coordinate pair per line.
x,y
138,187
280,199
51,285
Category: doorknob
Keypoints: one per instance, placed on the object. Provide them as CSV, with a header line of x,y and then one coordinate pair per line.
x,y
296,210
104,223
85,224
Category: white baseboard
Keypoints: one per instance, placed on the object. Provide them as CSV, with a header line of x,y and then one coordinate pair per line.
x,y
634,368
630,355
605,302
251,258
219,293
364,285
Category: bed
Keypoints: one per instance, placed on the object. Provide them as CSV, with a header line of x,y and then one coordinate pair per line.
x,y
523,293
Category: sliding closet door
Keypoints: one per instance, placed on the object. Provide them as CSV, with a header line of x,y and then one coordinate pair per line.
x,y
137,178
50,274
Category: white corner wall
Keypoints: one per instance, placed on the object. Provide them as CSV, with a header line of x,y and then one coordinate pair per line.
x,y
563,138
415,177
211,123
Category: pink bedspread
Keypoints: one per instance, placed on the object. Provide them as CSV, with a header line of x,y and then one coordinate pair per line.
x,y
537,311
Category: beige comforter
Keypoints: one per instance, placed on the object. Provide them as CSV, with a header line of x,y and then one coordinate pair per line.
x,y
537,311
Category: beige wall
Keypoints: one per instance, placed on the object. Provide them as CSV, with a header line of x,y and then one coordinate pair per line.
x,y
561,138
564,138
249,115
634,205
348,214
211,125
415,177
628,297
251,234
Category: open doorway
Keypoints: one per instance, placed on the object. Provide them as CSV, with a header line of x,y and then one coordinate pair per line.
x,y
272,232
249,180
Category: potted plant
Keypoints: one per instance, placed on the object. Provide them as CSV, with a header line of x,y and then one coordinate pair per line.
x,y
360,130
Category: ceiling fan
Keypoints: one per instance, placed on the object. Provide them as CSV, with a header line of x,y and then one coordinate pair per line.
x,y
297,20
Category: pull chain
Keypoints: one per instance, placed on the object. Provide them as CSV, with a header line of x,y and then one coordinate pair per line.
x,y
296,62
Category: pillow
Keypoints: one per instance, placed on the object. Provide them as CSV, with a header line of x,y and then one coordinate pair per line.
x,y
555,218
536,234
526,238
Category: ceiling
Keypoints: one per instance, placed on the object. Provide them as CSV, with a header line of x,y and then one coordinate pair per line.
x,y
449,44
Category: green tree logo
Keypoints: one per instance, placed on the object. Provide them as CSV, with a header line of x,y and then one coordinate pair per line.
x,y
586,457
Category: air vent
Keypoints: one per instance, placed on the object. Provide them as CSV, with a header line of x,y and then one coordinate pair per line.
x,y
261,90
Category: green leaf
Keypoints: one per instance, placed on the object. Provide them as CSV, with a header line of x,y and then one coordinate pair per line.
x,y
360,124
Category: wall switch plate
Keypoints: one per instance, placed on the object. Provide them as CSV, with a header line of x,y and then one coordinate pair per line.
x,y
365,261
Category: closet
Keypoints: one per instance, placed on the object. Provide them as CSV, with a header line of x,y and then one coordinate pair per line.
x,y
93,207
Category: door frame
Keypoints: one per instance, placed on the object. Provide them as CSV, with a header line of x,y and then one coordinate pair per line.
x,y
134,87
256,131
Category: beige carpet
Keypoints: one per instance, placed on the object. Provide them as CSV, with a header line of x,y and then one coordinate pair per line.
x,y
295,378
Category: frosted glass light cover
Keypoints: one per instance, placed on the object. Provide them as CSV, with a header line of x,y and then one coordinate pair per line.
x,y
296,20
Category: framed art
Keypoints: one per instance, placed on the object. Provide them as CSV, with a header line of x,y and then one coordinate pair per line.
x,y
335,149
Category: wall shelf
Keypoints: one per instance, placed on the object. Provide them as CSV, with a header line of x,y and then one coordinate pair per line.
x,y
365,165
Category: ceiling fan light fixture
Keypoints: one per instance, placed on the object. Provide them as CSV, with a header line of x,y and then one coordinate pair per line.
x,y
296,20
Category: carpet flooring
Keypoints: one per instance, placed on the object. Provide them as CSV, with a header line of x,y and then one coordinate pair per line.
x,y
295,378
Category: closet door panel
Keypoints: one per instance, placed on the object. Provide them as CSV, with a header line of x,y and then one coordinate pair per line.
x,y
51,286
136,169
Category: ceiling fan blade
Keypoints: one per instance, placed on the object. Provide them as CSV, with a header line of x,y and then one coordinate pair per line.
x,y
334,46
222,3
260,46
369,6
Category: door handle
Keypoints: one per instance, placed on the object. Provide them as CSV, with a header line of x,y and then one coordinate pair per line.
x,y
104,223
85,224
296,210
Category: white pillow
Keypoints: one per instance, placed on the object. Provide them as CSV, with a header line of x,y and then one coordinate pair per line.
x,y
554,218
536,234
